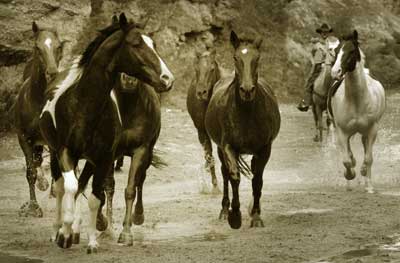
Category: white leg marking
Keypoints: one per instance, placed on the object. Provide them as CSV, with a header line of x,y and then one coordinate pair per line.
x,y
70,188
76,225
94,205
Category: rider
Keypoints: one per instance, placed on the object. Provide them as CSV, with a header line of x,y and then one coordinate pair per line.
x,y
318,52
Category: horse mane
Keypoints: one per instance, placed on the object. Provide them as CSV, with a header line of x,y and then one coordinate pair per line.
x,y
95,44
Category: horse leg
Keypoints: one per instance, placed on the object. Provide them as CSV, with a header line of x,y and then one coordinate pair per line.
x,y
348,158
119,164
58,192
320,127
96,200
234,216
210,162
31,207
368,142
41,182
258,163
315,115
70,187
139,159
225,199
109,187
138,215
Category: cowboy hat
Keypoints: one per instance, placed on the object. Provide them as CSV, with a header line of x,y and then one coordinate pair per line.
x,y
324,28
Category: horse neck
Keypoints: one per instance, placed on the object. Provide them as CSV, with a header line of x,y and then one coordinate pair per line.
x,y
356,84
37,79
216,75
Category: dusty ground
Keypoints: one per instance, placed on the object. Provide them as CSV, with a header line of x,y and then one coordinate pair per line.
x,y
308,214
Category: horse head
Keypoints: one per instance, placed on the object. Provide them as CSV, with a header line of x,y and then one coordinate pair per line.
x,y
348,56
48,48
137,56
246,56
205,74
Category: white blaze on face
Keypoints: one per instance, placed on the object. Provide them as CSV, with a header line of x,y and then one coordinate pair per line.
x,y
48,42
74,74
336,67
244,51
114,99
164,69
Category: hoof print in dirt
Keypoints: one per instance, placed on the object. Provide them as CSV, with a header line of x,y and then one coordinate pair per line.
x,y
76,237
125,239
101,222
63,242
235,219
138,219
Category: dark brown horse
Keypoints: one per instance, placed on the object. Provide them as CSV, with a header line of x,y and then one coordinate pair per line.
x,y
81,120
199,95
243,118
39,70
139,107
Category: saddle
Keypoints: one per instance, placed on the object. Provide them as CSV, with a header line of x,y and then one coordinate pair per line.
x,y
331,92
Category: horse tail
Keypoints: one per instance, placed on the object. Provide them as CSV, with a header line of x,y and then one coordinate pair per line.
x,y
244,168
157,161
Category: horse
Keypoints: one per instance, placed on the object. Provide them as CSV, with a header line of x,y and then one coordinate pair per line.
x,y
321,88
81,120
243,118
43,66
357,107
198,96
140,110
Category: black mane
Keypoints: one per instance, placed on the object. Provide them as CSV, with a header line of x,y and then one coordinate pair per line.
x,y
94,45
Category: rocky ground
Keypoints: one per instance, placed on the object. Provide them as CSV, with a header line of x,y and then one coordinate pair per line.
x,y
183,27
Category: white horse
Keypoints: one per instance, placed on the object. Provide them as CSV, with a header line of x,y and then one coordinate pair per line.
x,y
357,107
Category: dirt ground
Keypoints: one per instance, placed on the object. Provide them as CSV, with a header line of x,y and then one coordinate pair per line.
x,y
309,215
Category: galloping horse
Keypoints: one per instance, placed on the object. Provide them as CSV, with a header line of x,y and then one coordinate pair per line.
x,y
243,118
357,106
81,120
140,110
198,97
38,72
321,88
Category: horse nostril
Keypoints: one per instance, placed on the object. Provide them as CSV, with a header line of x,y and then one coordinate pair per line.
x,y
252,89
242,89
165,77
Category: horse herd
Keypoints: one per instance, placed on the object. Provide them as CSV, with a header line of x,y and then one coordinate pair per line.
x,y
95,111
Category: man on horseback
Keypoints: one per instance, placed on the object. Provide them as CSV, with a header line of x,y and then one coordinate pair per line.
x,y
318,53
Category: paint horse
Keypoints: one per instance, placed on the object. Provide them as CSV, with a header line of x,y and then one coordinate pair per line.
x,y
81,121
140,110
321,88
199,95
38,72
243,118
357,106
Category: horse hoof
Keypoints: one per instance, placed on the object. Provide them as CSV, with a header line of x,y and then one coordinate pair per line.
x,y
350,174
92,249
223,215
256,222
235,219
62,241
125,239
363,170
31,209
138,219
76,237
101,222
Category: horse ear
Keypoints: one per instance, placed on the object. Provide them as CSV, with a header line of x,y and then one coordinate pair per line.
x,y
235,41
123,22
258,42
355,35
35,27
114,20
